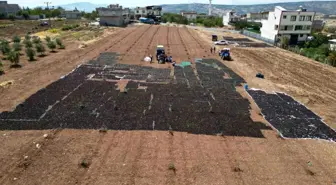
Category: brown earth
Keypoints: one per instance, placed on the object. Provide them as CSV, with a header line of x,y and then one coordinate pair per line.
x,y
151,157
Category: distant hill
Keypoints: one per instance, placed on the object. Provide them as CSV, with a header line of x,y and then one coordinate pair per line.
x,y
325,7
83,6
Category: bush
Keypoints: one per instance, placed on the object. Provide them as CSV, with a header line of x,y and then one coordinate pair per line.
x,y
30,54
14,58
4,46
28,44
17,47
284,42
40,49
48,39
331,60
59,41
51,45
16,39
70,27
1,68
11,17
318,40
27,37
54,30
36,40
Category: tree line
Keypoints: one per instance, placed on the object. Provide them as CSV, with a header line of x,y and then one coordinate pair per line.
x,y
201,19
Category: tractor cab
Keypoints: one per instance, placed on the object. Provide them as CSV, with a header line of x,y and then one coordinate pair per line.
x,y
160,54
225,54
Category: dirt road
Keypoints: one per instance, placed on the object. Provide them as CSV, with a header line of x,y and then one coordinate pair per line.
x,y
151,157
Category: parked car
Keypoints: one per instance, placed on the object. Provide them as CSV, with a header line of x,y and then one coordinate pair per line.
x,y
44,23
221,42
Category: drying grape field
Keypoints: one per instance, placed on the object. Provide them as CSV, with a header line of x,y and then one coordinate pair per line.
x,y
109,117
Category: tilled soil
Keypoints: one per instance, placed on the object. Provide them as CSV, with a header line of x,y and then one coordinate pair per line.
x,y
148,157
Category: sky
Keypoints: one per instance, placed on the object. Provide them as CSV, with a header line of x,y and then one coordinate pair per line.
x,y
134,3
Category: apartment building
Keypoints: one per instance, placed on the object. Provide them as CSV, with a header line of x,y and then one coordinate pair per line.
x,y
230,17
296,25
147,11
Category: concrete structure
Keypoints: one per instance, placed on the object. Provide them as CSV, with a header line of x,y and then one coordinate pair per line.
x,y
189,15
332,44
230,17
8,9
296,25
72,14
257,17
210,8
318,25
113,15
147,11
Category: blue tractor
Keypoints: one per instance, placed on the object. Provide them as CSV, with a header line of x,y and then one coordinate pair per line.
x,y
225,54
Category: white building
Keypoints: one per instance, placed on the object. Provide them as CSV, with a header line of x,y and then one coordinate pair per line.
x,y
153,11
296,25
230,17
189,15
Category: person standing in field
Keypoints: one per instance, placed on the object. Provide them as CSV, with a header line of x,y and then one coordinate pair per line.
x,y
211,49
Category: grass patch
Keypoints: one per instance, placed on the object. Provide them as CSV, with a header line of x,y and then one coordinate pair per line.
x,y
85,163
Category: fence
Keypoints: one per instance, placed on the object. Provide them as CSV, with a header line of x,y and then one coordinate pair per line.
x,y
257,36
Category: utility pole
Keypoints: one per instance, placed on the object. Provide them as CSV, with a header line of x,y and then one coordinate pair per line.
x,y
210,7
48,3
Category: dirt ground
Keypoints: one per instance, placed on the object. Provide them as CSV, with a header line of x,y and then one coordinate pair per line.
x,y
308,81
152,157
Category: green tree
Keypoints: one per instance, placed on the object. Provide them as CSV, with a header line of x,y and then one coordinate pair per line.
x,y
27,37
40,49
28,44
332,59
1,68
60,43
30,54
4,46
17,47
48,39
51,45
36,40
11,17
284,42
14,58
16,39
318,40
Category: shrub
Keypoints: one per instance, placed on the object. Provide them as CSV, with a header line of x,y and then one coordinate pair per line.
x,y
4,46
11,17
284,42
59,41
28,44
1,68
48,39
30,54
27,37
62,47
36,40
331,60
40,49
14,58
54,30
17,47
51,45
16,39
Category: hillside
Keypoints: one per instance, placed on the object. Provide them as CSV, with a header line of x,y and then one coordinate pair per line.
x,y
325,7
